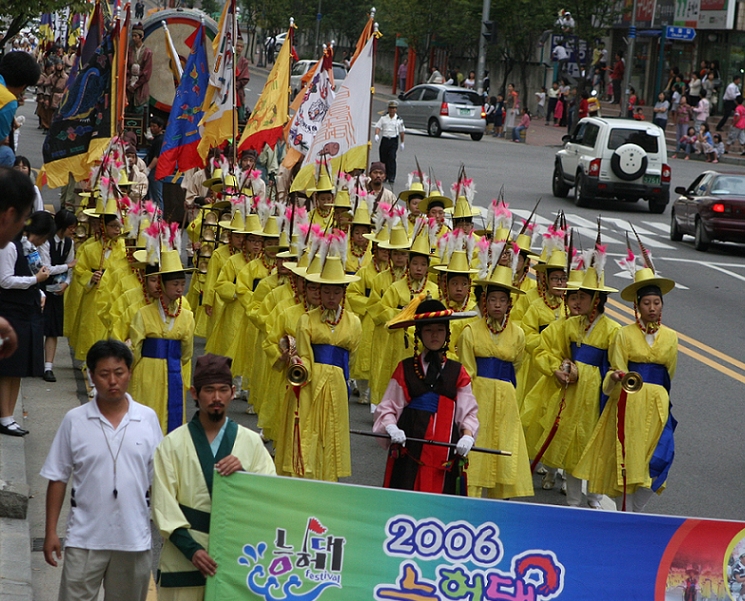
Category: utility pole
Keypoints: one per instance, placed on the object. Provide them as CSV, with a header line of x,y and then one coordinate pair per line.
x,y
629,62
318,27
487,29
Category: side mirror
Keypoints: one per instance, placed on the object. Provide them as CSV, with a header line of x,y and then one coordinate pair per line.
x,y
565,138
681,190
401,96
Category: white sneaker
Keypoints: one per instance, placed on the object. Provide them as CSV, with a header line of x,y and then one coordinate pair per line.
x,y
548,481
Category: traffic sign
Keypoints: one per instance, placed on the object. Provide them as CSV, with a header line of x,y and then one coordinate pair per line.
x,y
681,34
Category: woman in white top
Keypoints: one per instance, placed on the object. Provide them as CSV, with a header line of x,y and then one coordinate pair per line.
x,y
21,303
58,255
694,89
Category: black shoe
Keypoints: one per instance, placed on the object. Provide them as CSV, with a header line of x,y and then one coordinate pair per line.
x,y
49,376
17,431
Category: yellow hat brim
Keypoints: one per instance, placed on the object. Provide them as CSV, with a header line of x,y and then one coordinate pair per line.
x,y
664,284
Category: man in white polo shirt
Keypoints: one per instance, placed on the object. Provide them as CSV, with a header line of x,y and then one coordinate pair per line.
x,y
107,446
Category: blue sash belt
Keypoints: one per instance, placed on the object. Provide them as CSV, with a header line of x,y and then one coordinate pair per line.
x,y
597,357
664,453
332,355
496,369
170,350
429,401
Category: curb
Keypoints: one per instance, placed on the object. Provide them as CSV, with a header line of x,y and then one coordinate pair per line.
x,y
15,536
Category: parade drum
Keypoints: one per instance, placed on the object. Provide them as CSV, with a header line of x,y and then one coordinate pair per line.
x,y
181,24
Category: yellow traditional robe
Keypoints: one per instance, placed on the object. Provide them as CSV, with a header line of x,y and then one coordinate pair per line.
x,y
458,325
582,409
399,344
73,297
114,283
358,296
521,303
195,297
149,383
179,482
90,329
209,298
231,315
646,415
499,417
323,426
354,263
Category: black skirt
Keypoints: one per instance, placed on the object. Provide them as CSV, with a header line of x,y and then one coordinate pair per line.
x,y
54,315
28,360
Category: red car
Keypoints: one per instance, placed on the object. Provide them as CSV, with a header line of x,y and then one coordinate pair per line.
x,y
711,208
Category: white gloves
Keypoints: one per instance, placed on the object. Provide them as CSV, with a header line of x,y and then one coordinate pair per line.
x,y
377,138
464,445
402,145
398,436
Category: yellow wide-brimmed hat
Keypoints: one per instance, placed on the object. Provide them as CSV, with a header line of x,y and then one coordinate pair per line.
x,y
214,181
557,260
332,273
397,240
236,224
342,200
110,208
323,183
420,245
362,215
463,209
458,263
417,189
424,206
591,281
170,262
270,229
646,277
501,277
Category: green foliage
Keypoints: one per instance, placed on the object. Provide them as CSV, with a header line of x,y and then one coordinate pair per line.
x,y
210,6
16,15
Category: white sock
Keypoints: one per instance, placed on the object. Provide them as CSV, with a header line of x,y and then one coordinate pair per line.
x,y
6,421
48,366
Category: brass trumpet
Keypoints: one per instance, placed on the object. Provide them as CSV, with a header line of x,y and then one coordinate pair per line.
x,y
632,382
297,373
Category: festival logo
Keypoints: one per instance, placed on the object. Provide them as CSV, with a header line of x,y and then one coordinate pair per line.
x,y
297,568
534,575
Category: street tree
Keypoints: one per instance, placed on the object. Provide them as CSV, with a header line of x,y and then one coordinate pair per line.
x,y
19,14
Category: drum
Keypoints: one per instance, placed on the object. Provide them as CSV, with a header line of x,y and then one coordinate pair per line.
x,y
181,24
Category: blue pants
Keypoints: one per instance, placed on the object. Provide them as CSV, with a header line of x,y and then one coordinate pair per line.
x,y
516,132
155,190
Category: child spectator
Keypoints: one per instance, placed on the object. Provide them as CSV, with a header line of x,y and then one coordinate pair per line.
x,y
632,103
499,117
718,145
541,109
686,143
705,143
522,126
639,114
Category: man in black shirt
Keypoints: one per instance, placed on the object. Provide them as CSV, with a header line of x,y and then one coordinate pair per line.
x,y
157,128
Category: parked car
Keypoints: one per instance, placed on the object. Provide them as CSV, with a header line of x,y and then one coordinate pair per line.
x,y
437,108
301,67
614,158
711,208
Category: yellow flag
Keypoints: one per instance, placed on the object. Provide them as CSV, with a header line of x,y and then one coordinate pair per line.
x,y
270,114
220,118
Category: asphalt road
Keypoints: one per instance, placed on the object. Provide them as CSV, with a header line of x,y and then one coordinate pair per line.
x,y
706,478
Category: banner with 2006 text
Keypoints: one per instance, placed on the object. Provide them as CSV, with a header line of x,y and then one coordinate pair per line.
x,y
282,539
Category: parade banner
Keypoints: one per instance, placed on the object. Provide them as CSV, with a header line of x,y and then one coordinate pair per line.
x,y
344,134
309,116
286,539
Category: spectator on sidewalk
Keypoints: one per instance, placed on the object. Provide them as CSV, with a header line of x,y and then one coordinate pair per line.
x,y
728,101
694,89
435,76
522,126
553,98
616,77
107,447
21,303
155,186
541,103
686,144
701,110
660,111
584,105
402,72
682,116
512,102
499,109
718,145
631,107
737,131
705,144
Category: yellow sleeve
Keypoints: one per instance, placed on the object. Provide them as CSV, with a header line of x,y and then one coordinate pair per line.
x,y
225,285
356,295
531,326
187,341
167,514
137,335
466,352
303,342
83,268
270,343
244,286
387,307
672,363
213,270
550,352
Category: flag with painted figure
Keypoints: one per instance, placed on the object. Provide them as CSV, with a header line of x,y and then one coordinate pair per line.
x,y
271,112
220,120
181,138
282,539
344,134
319,94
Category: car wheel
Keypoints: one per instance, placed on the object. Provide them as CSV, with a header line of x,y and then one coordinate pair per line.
x,y
702,240
476,137
433,128
558,186
675,234
657,206
629,162
580,198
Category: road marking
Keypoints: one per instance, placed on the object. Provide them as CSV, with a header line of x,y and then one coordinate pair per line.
x,y
663,227
737,276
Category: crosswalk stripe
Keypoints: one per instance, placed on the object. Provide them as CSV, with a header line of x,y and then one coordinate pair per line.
x,y
663,227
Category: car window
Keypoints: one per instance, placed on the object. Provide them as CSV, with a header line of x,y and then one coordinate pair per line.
x,y
413,94
429,94
694,184
579,132
339,73
619,137
701,187
728,185
300,68
591,135
464,97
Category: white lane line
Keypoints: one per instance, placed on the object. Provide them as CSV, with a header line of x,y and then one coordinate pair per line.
x,y
737,276
625,275
698,262
623,226
576,220
663,227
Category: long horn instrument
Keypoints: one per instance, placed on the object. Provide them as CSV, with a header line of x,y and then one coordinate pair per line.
x,y
436,443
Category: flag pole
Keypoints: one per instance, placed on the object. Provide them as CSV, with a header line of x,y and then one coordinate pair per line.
x,y
372,83
234,112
